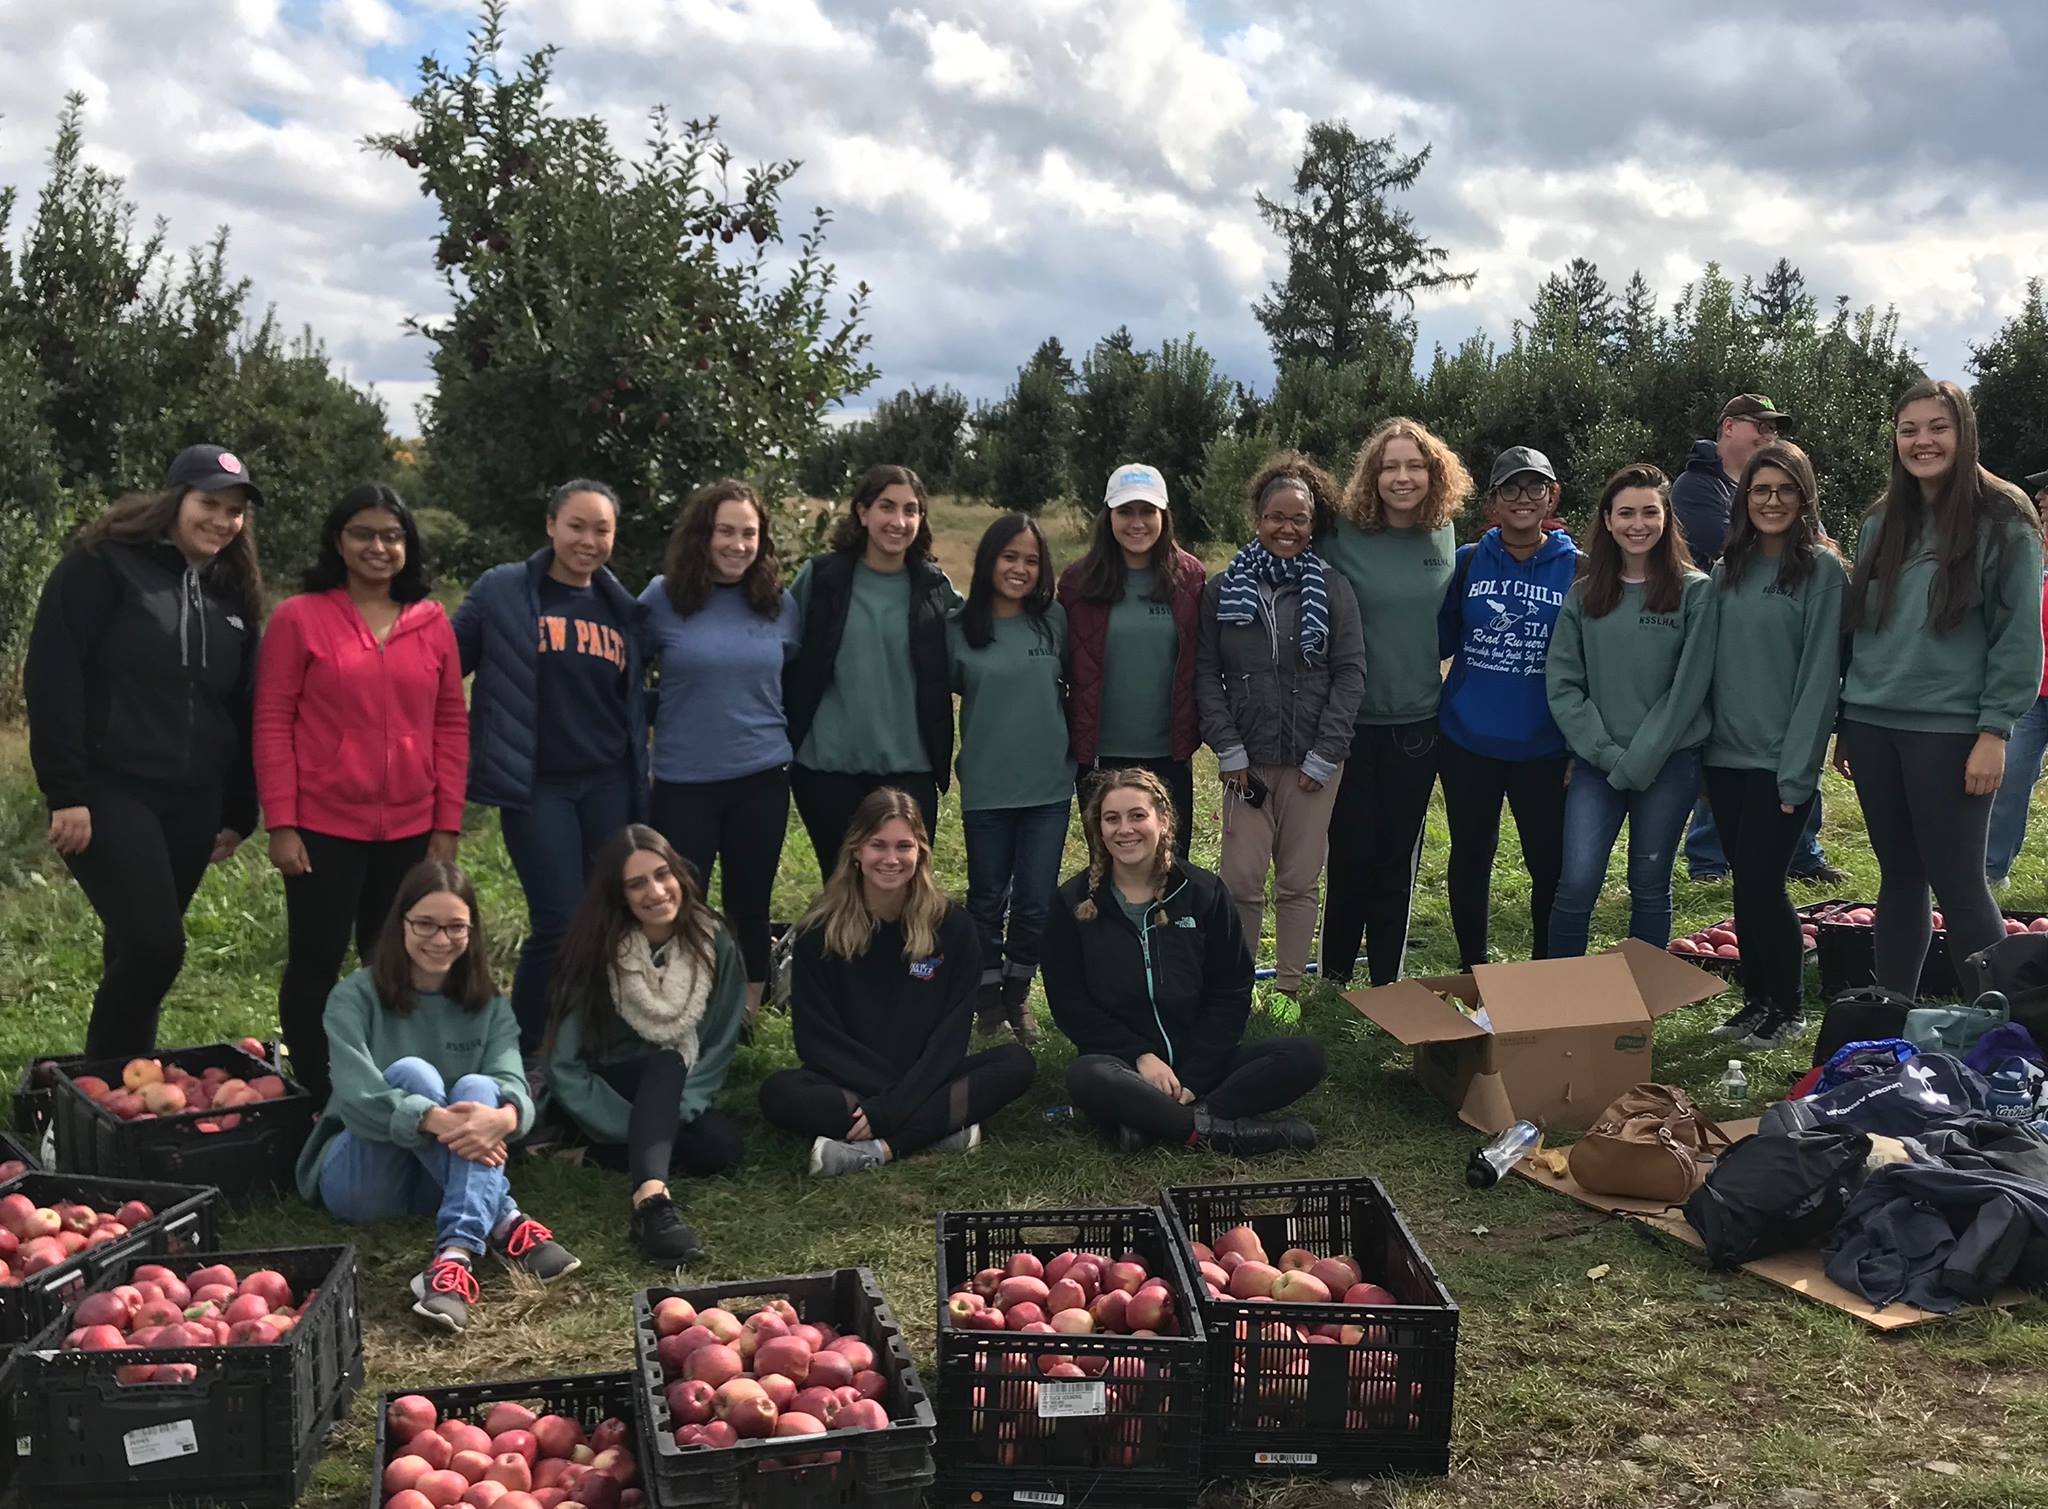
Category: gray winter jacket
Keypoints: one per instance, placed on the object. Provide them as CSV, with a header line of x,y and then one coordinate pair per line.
x,y
1259,703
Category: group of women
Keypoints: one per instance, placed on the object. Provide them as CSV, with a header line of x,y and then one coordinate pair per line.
x,y
634,744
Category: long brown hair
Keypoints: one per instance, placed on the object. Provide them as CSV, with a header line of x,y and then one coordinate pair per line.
x,y
1102,575
841,909
141,517
1134,778
469,983
1325,497
686,569
1669,560
1806,537
851,535
590,945
1968,495
1449,483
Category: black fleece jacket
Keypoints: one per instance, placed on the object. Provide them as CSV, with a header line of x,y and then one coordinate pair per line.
x,y
890,1030
1185,997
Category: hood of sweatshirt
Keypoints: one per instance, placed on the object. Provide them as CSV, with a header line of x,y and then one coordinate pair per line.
x,y
1556,542
1705,456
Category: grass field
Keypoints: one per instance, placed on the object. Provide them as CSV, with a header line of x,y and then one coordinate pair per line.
x,y
1658,1385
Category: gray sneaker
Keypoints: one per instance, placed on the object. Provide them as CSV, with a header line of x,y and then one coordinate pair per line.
x,y
1779,1030
1739,1026
966,1140
830,1156
442,1293
530,1248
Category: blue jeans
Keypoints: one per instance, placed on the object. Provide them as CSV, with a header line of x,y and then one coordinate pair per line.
x,y
2023,753
1013,866
550,843
364,1180
1593,814
1705,859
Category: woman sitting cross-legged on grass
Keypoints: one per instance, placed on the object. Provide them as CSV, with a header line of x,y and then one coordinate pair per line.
x,y
650,991
1146,970
428,1088
881,1003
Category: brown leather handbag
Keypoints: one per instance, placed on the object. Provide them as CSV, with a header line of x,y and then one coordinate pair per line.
x,y
1652,1143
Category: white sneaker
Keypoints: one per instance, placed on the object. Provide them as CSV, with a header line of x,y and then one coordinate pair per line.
x,y
966,1140
830,1156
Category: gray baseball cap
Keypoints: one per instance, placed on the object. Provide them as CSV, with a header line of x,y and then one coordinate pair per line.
x,y
1517,459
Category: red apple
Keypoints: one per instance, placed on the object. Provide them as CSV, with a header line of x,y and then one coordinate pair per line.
x,y
1022,1314
787,1355
442,1488
463,1436
409,1498
721,1323
1253,1278
1243,1241
832,1370
483,1494
1148,1310
781,1391
432,1445
715,1364
557,1434
518,1440
1024,1265
405,1471
408,1415
473,1465
673,1314
1124,1276
513,1470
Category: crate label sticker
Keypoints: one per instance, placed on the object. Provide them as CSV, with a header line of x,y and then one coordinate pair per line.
x,y
160,1443
24,1445
1062,1397
1284,1458
1032,1496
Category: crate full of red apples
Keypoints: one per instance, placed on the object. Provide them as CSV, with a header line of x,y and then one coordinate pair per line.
x,y
1333,1346
58,1232
1718,948
1070,1359
777,1393
199,1378
535,1444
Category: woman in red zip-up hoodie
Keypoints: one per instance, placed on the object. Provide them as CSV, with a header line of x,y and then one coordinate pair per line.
x,y
361,747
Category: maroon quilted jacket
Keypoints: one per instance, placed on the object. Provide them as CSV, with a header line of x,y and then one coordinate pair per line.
x,y
1088,633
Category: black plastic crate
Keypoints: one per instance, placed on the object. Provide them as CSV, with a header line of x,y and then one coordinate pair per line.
x,y
258,1156
1279,1405
875,1469
1729,969
588,1400
247,1431
1848,956
1003,1433
12,1367
12,1150
187,1220
36,1089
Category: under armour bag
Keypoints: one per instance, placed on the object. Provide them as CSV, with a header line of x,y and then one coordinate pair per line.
x,y
1774,1192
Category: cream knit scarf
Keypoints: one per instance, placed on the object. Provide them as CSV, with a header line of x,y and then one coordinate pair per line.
x,y
663,1003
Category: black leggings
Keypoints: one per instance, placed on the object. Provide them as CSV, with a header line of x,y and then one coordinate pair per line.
x,y
147,856
1178,776
347,892
1375,844
825,800
739,823
1474,787
658,1141
809,1104
1759,839
1261,1077
1925,831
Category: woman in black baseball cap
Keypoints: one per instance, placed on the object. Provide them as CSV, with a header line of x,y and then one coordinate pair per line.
x,y
137,680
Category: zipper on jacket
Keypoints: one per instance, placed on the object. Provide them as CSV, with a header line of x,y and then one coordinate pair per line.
x,y
1145,953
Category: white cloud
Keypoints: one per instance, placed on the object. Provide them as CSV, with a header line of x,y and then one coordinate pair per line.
x,y
965,61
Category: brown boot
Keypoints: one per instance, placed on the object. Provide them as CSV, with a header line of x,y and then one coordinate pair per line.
x,y
1017,1008
988,1010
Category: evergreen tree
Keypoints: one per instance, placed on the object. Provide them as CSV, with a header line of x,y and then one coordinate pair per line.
x,y
2011,392
1782,299
1107,409
1576,301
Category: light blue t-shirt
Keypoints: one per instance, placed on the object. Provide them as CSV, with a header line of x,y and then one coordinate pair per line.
x,y
720,714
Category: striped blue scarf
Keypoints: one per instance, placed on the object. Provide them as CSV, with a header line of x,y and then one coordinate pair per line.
x,y
1238,602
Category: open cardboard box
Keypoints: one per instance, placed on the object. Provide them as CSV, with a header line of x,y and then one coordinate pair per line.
x,y
1569,1035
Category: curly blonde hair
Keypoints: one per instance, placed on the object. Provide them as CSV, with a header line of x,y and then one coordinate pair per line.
x,y
1450,485
1322,488
1136,778
841,908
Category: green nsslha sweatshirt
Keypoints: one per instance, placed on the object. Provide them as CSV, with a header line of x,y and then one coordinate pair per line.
x,y
1979,676
1629,689
1777,671
576,1085
364,1038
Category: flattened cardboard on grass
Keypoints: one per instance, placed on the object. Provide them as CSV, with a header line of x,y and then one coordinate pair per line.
x,y
1801,1271
1569,1035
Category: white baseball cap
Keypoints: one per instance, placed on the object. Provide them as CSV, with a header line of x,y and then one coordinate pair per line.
x,y
1135,483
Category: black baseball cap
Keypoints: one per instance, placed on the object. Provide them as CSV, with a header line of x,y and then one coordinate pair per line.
x,y
1517,459
211,468
1754,406
2036,482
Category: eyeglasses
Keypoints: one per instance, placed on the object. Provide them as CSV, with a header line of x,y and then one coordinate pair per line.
x,y
363,534
424,928
1764,492
1300,521
1524,492
1764,427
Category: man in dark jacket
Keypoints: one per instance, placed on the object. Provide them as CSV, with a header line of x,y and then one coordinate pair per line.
x,y
1702,498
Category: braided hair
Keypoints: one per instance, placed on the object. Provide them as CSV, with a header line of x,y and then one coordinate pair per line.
x,y
1136,778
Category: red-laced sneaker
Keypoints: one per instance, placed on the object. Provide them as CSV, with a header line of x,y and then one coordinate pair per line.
x,y
443,1292
530,1248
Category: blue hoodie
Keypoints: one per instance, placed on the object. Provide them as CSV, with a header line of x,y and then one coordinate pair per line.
x,y
1496,634
1701,497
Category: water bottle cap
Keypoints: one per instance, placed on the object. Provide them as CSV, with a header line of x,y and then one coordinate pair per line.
x,y
1735,1063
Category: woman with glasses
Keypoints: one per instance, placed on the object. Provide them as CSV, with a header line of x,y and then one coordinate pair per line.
x,y
1496,738
361,746
429,1093
1777,676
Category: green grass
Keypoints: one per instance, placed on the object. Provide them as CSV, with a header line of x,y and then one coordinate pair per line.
x,y
1658,1385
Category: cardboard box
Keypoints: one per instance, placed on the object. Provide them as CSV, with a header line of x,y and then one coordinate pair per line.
x,y
1568,1035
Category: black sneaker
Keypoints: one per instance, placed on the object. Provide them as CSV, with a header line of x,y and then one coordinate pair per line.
x,y
662,1235
1253,1136
1130,1141
1821,874
1781,1029
443,1291
530,1248
1017,1008
1739,1026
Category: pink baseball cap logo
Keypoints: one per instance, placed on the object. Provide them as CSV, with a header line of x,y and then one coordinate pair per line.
x,y
229,462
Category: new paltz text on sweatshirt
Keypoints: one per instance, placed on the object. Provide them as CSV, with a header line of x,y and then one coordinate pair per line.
x,y
890,1029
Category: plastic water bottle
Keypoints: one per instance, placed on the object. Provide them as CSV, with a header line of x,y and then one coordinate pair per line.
x,y
1734,1086
1491,1162
2009,1097
1059,1115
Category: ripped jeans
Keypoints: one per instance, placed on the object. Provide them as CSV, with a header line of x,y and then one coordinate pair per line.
x,y
1593,814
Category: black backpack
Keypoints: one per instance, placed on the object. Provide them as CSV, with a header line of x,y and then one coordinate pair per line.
x,y
1776,1191
2017,968
1864,1014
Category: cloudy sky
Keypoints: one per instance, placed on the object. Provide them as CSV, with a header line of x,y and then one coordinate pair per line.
x,y
1004,172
